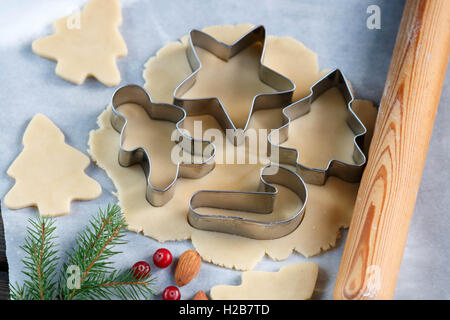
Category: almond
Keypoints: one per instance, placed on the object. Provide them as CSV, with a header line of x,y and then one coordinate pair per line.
x,y
187,267
201,295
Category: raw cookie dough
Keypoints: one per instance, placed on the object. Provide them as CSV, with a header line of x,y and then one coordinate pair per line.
x,y
329,207
49,173
292,282
323,132
86,44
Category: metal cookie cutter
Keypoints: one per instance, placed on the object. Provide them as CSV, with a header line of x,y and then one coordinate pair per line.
x,y
160,111
343,170
257,202
213,105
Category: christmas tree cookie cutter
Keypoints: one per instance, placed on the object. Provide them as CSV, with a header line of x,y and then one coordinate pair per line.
x,y
213,106
350,172
189,145
261,202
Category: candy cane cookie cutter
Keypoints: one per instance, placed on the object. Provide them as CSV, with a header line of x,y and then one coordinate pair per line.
x,y
261,202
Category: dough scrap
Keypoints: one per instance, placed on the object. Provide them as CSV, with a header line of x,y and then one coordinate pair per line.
x,y
86,44
49,173
329,208
292,282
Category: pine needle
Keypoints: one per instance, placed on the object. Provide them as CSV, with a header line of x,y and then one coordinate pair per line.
x,y
91,255
40,262
94,277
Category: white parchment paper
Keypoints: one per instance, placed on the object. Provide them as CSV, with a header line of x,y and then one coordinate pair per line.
x,y
335,29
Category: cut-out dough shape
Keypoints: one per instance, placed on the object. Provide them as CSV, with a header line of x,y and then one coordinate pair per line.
x,y
86,43
329,114
329,208
49,173
292,282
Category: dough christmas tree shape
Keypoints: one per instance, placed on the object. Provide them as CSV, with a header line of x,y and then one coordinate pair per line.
x,y
86,43
49,173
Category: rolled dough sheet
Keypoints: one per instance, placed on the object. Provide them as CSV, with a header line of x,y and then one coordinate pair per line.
x,y
87,43
49,173
329,206
292,282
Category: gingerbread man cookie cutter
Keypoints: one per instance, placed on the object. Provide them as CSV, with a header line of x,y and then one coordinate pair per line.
x,y
189,145
350,172
213,106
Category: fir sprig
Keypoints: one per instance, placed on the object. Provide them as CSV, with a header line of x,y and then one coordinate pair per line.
x,y
96,277
40,262
121,285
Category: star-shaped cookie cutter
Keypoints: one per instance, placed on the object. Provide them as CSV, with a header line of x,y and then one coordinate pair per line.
x,y
212,105
261,202
190,146
350,172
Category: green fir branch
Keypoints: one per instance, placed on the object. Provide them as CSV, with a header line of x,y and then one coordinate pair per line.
x,y
17,292
120,285
92,253
40,262
95,279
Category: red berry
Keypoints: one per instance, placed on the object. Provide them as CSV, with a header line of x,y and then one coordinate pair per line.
x,y
171,293
162,258
141,269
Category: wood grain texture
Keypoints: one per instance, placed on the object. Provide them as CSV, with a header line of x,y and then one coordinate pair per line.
x,y
388,190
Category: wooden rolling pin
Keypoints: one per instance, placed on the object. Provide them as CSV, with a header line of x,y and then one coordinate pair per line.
x,y
388,190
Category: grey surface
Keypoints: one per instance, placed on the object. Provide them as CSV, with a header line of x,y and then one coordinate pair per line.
x,y
336,30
